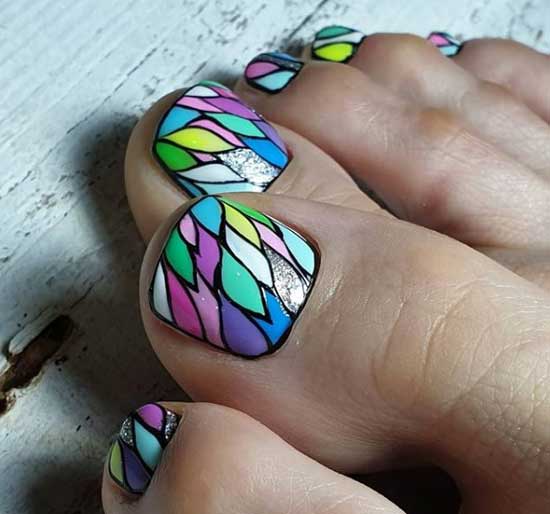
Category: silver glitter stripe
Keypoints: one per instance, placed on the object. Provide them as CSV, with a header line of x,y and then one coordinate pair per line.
x,y
127,432
170,426
250,166
288,284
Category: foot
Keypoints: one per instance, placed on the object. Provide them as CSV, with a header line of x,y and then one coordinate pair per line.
x,y
388,342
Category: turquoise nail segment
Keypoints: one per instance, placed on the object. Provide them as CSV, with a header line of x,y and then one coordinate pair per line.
x,y
336,43
233,277
210,142
138,449
447,44
272,72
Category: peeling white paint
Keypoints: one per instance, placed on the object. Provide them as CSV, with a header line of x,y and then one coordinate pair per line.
x,y
4,363
20,341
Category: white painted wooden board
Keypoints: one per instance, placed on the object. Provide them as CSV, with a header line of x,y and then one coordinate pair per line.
x,y
75,76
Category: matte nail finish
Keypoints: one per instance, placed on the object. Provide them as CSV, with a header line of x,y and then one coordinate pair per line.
x,y
137,451
336,43
272,72
210,142
447,44
233,277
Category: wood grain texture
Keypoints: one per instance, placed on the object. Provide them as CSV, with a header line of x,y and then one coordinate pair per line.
x,y
75,76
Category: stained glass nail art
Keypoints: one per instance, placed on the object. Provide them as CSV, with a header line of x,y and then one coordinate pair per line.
x,y
336,43
233,277
210,142
272,72
138,448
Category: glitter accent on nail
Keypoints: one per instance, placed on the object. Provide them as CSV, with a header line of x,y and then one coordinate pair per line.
x,y
287,282
127,432
233,276
250,166
171,424
209,127
138,449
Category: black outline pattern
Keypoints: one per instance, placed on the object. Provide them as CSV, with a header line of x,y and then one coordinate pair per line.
x,y
272,347
283,61
452,42
159,436
182,182
317,37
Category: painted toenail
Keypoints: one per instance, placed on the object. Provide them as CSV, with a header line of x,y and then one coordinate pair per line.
x,y
138,448
210,142
233,277
272,72
447,44
336,43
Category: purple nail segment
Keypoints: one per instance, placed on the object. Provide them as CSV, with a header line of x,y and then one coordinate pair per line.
x,y
137,451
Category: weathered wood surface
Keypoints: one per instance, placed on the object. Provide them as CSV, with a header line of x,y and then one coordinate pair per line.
x,y
75,76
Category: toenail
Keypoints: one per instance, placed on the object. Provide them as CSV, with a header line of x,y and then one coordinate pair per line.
x,y
140,443
336,43
233,277
210,142
447,44
272,72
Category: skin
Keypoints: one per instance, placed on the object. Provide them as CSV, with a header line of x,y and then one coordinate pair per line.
x,y
311,174
425,338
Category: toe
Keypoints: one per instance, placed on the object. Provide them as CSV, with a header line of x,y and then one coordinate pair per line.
x,y
424,162
414,69
362,358
189,144
220,460
517,67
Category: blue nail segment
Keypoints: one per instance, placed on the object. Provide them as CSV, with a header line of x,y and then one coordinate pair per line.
x,y
210,142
